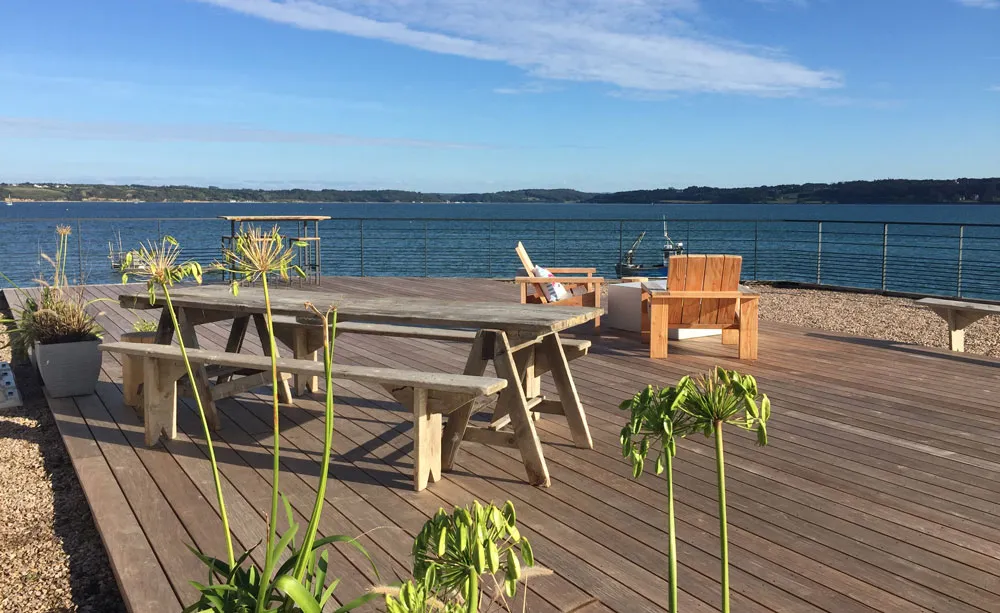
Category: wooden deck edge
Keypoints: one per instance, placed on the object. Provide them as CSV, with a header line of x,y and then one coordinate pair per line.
x,y
143,585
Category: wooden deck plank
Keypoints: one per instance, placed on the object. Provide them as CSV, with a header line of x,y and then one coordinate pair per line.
x,y
142,580
879,492
589,505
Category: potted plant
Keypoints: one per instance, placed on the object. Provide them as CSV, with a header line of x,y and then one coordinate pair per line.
x,y
65,340
58,332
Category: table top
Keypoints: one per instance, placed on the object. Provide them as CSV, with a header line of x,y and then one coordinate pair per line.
x,y
274,217
507,316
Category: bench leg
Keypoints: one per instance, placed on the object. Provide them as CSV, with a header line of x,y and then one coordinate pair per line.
x,y
301,352
730,337
532,381
513,400
748,329
234,344
190,338
159,399
426,442
284,391
568,396
458,420
132,376
659,315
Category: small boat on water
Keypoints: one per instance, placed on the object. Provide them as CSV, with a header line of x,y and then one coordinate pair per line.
x,y
9,200
628,268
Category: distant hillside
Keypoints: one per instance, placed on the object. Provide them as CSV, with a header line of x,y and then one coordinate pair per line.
x,y
181,193
889,191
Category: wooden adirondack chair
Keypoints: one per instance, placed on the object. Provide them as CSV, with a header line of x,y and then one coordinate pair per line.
x,y
703,292
584,287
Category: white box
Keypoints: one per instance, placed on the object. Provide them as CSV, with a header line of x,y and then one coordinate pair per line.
x,y
625,310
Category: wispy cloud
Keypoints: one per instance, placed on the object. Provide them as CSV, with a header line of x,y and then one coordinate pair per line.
x,y
534,87
31,127
632,44
981,4
191,94
995,88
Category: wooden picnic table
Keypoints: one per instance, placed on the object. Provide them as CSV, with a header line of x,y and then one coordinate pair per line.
x,y
521,340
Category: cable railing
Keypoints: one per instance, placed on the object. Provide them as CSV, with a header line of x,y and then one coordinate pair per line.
x,y
922,258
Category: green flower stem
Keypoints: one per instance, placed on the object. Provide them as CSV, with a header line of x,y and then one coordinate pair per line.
x,y
472,595
305,555
673,529
208,435
720,466
272,521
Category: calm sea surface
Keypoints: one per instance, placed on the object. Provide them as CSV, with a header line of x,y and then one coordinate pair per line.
x,y
937,213
935,249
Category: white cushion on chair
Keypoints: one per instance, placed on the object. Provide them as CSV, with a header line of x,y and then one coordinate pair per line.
x,y
555,291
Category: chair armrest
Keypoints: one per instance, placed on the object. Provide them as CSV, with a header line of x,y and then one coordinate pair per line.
x,y
564,280
583,271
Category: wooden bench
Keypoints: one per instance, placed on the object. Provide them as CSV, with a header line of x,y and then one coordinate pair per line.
x,y
427,395
959,314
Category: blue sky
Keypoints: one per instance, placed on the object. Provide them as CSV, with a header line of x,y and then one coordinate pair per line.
x,y
470,95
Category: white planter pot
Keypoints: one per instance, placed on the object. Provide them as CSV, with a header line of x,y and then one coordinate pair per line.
x,y
69,369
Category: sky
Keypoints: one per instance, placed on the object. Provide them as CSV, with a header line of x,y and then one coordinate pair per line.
x,y
485,95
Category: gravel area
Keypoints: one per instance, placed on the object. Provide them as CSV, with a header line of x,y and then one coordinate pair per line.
x,y
872,316
51,558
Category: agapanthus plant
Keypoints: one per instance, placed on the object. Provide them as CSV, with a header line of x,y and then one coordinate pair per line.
x,y
725,397
657,422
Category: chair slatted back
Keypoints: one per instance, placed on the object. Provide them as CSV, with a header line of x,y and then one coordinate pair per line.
x,y
715,273
529,270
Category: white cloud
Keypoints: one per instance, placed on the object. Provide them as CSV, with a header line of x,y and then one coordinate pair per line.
x,y
632,44
982,4
995,88
31,127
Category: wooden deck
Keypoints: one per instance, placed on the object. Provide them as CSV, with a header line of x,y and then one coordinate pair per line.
x,y
880,490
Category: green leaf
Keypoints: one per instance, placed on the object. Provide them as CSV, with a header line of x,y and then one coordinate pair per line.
x,y
357,602
513,566
442,544
480,557
527,552
509,514
493,555
659,464
298,593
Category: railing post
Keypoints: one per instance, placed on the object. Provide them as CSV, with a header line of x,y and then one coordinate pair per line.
x,y
425,248
885,251
362,236
79,252
489,249
961,248
159,233
819,253
755,224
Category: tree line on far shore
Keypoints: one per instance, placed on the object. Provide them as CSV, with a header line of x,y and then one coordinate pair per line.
x,y
888,191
